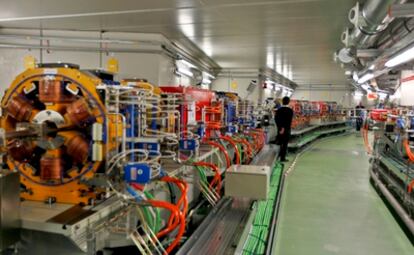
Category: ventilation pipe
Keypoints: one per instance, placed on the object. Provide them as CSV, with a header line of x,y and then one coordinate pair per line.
x,y
396,34
369,21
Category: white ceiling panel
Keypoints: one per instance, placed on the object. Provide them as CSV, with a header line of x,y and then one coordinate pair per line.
x,y
295,37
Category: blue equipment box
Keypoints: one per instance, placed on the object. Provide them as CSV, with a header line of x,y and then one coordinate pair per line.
x,y
137,173
188,144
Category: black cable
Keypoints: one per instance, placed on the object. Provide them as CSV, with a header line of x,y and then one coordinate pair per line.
x,y
173,197
406,26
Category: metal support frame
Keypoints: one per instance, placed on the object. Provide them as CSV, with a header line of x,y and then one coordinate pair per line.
x,y
402,213
368,53
402,10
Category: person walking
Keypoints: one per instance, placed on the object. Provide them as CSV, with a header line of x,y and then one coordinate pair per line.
x,y
283,118
359,115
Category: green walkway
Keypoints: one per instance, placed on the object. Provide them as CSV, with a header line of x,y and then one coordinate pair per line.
x,y
329,207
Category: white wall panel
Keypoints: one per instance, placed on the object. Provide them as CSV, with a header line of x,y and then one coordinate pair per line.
x,y
167,76
137,65
12,64
224,84
343,97
86,60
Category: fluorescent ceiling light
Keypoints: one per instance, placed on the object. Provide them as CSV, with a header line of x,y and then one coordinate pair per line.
x,y
270,62
208,75
185,72
186,63
355,76
358,94
366,87
401,58
366,77
206,81
382,95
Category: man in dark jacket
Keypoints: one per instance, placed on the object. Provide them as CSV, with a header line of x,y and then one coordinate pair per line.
x,y
359,116
284,116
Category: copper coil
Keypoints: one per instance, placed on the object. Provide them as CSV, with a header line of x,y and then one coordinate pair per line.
x,y
51,168
78,149
79,112
52,91
20,150
19,108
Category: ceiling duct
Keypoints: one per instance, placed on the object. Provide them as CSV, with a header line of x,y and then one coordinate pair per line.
x,y
369,21
397,32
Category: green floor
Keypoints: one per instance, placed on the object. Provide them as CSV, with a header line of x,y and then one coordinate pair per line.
x,y
329,207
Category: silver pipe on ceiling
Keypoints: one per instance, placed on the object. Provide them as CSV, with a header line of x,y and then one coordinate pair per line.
x,y
396,33
369,21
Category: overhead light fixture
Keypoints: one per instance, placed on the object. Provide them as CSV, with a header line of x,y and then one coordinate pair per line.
x,y
277,87
355,76
206,81
183,62
366,77
382,95
358,95
185,72
401,58
366,87
205,74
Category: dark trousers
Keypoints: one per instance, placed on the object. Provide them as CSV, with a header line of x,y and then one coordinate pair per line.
x,y
283,141
358,123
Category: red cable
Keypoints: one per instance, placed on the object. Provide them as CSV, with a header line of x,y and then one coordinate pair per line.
x,y
222,149
248,146
182,201
257,139
174,210
260,134
233,144
217,176
408,150
410,187
177,216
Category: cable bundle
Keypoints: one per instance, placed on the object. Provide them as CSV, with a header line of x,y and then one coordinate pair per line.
x,y
259,137
234,145
223,150
259,231
248,149
216,182
177,211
